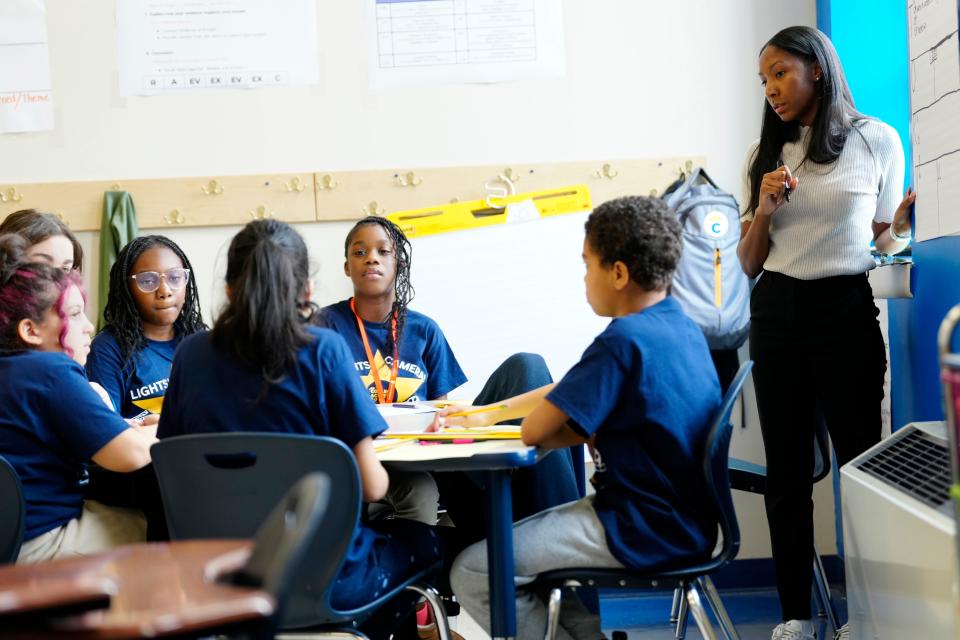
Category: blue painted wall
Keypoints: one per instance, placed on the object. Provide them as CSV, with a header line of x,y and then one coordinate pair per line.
x,y
871,38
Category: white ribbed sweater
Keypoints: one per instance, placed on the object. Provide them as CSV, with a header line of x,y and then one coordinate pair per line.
x,y
825,229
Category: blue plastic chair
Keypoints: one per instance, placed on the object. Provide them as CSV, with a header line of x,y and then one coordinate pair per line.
x,y
693,579
280,547
14,513
223,485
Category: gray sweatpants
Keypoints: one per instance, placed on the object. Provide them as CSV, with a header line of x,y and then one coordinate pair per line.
x,y
569,535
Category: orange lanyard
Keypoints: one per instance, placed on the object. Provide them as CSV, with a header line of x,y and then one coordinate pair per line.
x,y
378,384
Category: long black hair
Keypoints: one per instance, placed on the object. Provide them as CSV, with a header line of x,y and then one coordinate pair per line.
x,y
120,313
264,324
835,116
402,289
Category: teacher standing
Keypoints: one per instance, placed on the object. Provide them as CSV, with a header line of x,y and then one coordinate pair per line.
x,y
820,184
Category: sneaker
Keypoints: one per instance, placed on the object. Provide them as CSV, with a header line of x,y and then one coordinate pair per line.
x,y
427,627
794,630
843,633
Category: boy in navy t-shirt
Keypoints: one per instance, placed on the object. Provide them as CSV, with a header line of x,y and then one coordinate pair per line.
x,y
642,396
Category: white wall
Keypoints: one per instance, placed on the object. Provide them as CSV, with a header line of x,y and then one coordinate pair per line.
x,y
643,79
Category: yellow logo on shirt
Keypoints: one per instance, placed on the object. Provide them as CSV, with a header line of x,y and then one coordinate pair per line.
x,y
406,386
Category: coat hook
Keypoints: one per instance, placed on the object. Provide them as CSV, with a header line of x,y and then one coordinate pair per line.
x,y
326,183
212,188
295,184
116,187
373,209
409,179
174,217
261,213
606,171
511,175
12,195
62,218
653,193
498,191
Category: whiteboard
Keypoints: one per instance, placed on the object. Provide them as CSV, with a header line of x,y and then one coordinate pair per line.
x,y
934,52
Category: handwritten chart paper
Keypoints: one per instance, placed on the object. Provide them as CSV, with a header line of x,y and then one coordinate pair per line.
x,y
423,42
26,99
170,46
935,109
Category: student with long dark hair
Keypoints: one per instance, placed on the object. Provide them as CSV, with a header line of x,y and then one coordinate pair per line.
x,y
151,306
264,367
51,422
49,239
821,184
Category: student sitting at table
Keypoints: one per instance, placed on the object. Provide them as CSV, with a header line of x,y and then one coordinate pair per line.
x,y
263,367
49,239
402,356
642,395
51,421
151,306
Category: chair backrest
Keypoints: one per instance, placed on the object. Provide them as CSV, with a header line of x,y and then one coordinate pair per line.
x,y
13,510
821,448
285,538
224,485
715,460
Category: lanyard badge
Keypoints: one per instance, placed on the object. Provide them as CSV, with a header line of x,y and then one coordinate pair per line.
x,y
382,398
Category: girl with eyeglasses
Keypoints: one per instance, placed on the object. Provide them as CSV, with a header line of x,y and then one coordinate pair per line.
x,y
44,339
152,305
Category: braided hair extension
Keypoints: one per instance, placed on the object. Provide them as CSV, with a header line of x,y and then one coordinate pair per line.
x,y
402,288
121,315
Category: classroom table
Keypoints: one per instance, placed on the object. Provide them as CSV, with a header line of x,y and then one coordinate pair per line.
x,y
136,591
495,459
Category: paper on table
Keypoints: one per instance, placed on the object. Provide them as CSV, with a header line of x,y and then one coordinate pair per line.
x,y
407,417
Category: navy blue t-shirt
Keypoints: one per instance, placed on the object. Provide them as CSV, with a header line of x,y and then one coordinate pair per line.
x,y
214,392
647,389
427,369
51,424
136,385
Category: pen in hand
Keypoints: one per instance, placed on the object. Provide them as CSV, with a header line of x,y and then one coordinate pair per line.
x,y
786,183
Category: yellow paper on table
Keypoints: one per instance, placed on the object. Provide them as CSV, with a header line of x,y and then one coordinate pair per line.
x,y
152,405
497,432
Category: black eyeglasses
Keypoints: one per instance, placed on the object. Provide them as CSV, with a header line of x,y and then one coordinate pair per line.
x,y
149,281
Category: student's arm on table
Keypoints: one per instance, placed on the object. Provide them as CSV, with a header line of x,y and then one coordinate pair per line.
x,y
489,414
373,477
128,451
547,427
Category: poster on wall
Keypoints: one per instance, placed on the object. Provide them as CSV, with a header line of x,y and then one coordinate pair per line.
x,y
935,114
424,42
26,98
171,46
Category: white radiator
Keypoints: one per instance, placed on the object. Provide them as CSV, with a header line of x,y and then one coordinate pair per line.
x,y
898,534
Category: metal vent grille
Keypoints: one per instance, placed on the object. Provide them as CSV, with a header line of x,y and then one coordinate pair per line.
x,y
915,464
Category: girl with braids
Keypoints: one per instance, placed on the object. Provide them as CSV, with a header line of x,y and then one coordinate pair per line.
x,y
263,366
402,355
44,339
151,306
49,238
821,184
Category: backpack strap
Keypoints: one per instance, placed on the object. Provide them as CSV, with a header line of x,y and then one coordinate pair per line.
x,y
679,189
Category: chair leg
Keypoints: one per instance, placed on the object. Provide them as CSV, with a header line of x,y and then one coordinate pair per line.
x,y
713,598
681,629
823,591
553,612
699,614
436,605
675,607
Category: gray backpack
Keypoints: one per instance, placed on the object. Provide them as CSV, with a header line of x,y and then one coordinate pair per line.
x,y
709,283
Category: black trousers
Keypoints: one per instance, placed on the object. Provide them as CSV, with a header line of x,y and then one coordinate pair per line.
x,y
814,343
